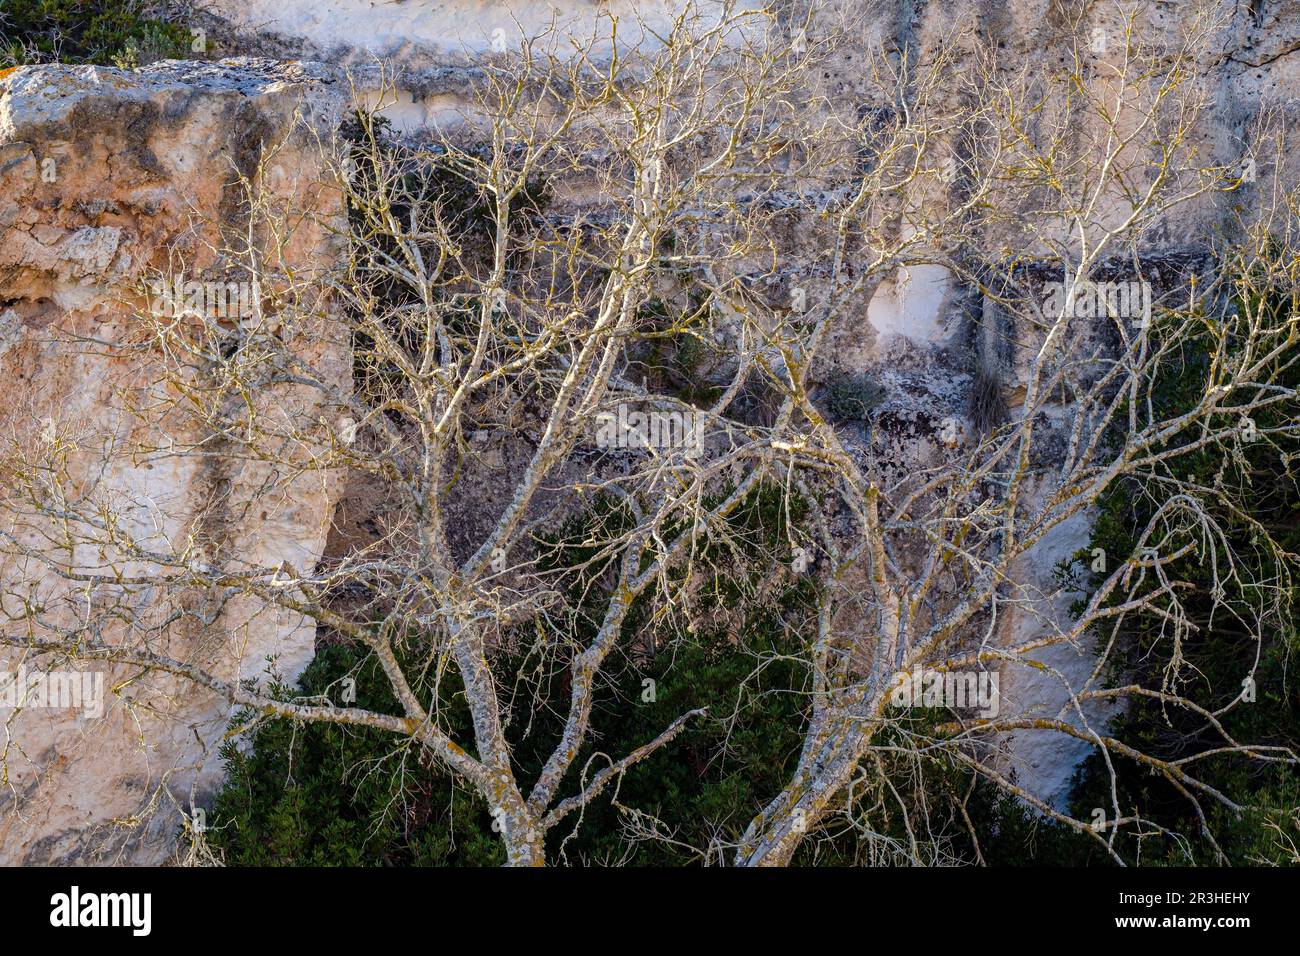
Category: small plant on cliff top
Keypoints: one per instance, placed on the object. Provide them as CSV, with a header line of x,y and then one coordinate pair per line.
x,y
123,33
851,396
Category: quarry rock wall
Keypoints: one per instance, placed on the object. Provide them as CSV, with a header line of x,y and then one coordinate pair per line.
x,y
104,175
108,178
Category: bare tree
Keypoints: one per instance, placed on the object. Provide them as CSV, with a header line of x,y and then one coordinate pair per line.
x,y
943,551
489,330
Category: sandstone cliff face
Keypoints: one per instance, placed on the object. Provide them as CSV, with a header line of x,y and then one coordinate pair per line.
x,y
108,179
430,34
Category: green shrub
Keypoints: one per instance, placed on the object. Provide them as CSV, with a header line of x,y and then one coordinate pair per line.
x,y
326,795
851,397
121,33
1259,491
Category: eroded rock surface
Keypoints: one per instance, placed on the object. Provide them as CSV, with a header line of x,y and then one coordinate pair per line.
x,y
109,178
106,175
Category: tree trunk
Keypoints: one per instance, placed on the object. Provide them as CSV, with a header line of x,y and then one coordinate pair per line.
x,y
824,770
523,837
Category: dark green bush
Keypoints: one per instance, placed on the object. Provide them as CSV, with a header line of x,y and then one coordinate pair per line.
x,y
325,795
851,397
1260,493
311,795
122,33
